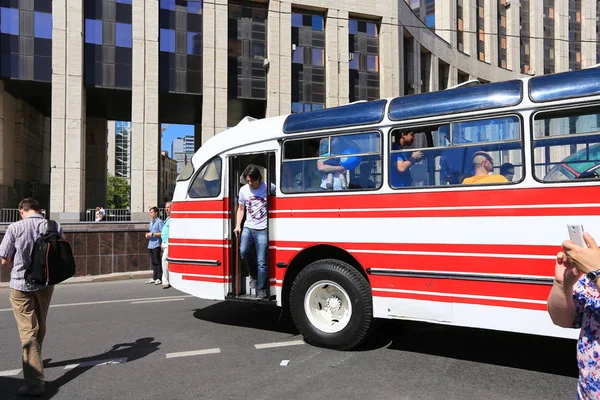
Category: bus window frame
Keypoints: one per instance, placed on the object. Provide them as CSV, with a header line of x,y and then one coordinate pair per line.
x,y
197,172
322,135
450,123
549,110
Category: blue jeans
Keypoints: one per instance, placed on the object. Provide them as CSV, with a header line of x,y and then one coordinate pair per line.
x,y
260,240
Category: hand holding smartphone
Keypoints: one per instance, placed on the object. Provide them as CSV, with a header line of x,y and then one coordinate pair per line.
x,y
576,235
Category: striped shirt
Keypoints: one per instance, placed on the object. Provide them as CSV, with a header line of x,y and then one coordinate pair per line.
x,y
18,243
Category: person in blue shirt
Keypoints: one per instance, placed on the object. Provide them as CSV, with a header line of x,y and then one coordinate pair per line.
x,y
400,162
164,236
154,242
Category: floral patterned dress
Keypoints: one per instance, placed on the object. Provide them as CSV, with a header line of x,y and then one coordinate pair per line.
x,y
587,303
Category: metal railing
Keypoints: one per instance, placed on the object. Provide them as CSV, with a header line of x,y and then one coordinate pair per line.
x,y
12,214
117,215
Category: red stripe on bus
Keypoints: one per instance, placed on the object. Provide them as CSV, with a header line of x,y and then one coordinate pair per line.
x,y
196,241
194,269
205,279
202,205
462,300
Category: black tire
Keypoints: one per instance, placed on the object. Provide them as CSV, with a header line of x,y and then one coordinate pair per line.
x,y
358,293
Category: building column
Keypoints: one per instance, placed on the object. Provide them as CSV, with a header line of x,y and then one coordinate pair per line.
x,y
536,45
145,128
389,47
96,156
445,20
588,33
491,31
111,140
7,149
214,68
561,35
67,176
434,73
279,53
513,46
337,80
470,27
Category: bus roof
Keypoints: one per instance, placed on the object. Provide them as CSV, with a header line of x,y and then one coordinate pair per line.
x,y
565,85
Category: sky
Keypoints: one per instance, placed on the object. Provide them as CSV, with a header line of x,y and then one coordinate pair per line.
x,y
174,131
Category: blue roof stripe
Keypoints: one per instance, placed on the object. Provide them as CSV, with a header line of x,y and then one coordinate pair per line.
x,y
492,95
337,117
581,83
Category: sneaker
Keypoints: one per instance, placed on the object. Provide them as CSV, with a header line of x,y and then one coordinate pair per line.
x,y
166,286
158,282
253,283
262,294
31,391
149,281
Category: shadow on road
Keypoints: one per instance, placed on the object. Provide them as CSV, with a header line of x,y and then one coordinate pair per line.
x,y
514,350
250,315
508,349
131,351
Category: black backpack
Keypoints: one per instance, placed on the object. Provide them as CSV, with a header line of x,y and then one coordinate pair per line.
x,y
52,259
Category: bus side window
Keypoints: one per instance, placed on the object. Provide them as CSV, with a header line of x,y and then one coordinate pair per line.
x,y
567,145
207,182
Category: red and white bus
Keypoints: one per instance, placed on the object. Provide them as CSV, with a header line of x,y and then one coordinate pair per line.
x,y
429,249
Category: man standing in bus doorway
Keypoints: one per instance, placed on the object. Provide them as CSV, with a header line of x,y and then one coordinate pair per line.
x,y
484,166
252,202
401,161
153,236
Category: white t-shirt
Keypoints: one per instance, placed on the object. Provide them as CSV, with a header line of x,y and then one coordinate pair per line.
x,y
256,206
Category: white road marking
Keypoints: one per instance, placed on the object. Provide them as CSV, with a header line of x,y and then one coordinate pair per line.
x,y
10,372
156,301
279,344
98,362
90,303
193,353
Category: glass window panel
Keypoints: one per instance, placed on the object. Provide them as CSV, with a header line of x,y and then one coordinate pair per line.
x,y
167,40
430,21
195,7
296,20
9,20
93,31
167,4
317,22
318,56
42,25
124,1
354,61
298,56
297,107
124,37
371,29
258,50
352,27
194,43
207,182
373,63
489,130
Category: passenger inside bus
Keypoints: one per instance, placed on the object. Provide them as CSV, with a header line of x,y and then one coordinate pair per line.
x,y
484,166
332,171
402,161
456,163
507,170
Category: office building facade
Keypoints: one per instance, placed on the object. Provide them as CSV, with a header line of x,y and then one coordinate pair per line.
x,y
72,65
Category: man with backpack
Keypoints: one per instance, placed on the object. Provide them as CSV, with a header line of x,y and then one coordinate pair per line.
x,y
29,300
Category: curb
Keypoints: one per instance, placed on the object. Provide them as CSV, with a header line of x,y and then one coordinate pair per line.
x,y
119,276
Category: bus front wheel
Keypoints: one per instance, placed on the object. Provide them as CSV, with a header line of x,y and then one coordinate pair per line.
x,y
331,305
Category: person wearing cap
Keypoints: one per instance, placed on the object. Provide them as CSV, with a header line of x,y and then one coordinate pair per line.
x,y
484,166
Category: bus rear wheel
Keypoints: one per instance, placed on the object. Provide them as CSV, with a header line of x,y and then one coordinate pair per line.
x,y
331,305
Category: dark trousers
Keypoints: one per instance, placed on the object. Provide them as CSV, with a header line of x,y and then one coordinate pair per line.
x,y
156,263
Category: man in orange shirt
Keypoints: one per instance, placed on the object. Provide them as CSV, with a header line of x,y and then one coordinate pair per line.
x,y
484,166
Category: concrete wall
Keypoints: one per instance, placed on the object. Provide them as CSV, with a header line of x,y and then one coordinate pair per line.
x,y
102,248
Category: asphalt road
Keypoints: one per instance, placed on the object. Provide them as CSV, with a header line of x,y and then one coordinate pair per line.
x,y
125,340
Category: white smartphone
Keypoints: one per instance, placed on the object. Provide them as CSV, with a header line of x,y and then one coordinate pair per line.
x,y
576,235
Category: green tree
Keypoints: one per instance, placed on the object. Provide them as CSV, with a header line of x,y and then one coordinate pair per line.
x,y
117,192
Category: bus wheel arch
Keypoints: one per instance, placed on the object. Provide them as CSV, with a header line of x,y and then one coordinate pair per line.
x,y
330,302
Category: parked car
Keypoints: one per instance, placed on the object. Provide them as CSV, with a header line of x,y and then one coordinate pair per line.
x,y
585,163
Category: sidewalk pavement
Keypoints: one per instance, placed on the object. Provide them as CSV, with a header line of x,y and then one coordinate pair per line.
x,y
101,278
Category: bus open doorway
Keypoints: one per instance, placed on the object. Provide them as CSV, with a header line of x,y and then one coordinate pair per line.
x,y
242,287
